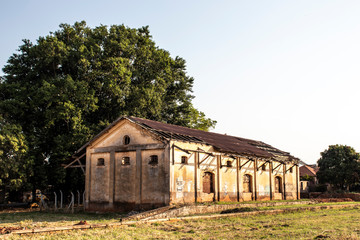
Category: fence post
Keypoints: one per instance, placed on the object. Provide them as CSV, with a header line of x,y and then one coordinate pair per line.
x,y
55,201
84,200
78,192
72,203
61,199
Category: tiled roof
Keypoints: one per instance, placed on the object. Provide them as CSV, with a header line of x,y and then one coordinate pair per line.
x,y
307,170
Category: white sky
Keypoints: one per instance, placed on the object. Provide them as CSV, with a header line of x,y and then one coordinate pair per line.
x,y
283,72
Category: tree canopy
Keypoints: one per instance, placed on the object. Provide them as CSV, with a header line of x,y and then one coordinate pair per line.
x,y
70,84
339,165
14,167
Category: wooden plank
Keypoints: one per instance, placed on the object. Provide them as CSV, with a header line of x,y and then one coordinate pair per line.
x,y
196,159
255,173
297,183
77,159
284,186
218,160
270,180
237,179
246,162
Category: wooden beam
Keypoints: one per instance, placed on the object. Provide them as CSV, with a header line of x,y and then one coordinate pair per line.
x,y
237,179
218,160
181,149
290,167
262,165
297,183
77,166
204,159
195,172
284,186
77,159
255,173
173,154
246,162
270,180
277,166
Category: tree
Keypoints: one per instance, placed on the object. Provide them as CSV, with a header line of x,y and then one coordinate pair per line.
x,y
72,83
339,165
15,168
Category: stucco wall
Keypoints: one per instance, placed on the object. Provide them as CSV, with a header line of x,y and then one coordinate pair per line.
x,y
119,187
228,184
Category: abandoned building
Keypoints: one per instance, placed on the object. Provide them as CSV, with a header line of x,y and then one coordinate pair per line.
x,y
140,164
308,178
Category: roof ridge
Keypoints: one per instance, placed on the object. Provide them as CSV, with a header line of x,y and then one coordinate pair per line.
x,y
194,129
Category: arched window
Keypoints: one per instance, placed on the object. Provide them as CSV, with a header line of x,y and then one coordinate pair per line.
x,y
100,162
247,183
126,140
208,182
154,160
125,161
184,159
278,188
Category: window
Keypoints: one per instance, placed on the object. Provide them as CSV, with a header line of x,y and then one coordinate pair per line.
x,y
291,170
184,159
263,167
126,140
229,163
100,162
125,161
208,182
278,188
153,160
247,187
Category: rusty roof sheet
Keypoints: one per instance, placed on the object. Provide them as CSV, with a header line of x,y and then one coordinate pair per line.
x,y
221,142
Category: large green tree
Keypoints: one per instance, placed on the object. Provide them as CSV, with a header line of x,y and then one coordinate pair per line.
x,y
15,168
73,82
339,165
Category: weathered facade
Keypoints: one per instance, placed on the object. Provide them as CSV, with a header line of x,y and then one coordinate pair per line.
x,y
137,163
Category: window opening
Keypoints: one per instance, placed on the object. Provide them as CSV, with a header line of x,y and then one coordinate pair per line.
x,y
126,140
184,159
229,163
291,170
278,188
154,160
208,182
263,167
125,161
247,187
100,162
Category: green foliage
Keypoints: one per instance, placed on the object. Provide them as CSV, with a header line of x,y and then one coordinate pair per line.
x,y
15,168
339,165
306,178
72,83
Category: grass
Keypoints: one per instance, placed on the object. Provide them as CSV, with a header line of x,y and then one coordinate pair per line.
x,y
39,219
269,201
330,224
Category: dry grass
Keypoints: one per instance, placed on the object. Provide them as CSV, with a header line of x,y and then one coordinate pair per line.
x,y
330,224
